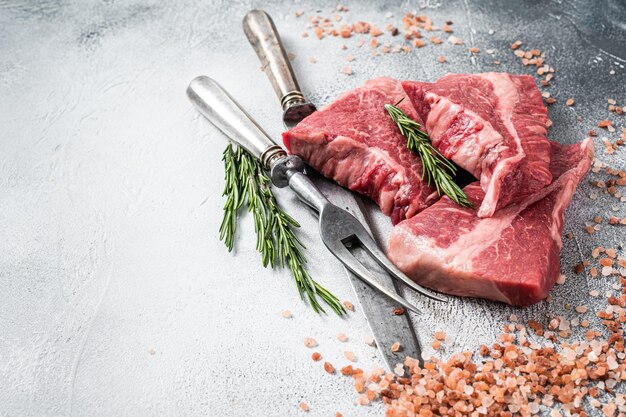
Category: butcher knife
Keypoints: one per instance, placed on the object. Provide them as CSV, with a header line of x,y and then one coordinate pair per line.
x,y
387,328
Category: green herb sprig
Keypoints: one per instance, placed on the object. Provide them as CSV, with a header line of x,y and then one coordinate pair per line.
x,y
247,182
435,167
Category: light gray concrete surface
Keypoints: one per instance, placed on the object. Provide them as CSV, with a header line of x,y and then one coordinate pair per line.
x,y
116,296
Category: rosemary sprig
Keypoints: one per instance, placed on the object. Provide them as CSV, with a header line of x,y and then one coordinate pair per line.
x,y
234,199
275,237
435,167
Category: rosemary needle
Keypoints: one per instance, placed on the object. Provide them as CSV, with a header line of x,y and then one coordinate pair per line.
x,y
435,167
275,238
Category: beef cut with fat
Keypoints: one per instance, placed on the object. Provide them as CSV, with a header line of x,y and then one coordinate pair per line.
x,y
491,124
354,141
512,256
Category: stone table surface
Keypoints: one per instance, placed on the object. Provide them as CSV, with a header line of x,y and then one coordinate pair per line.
x,y
117,297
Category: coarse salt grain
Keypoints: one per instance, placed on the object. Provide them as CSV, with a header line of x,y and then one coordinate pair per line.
x,y
606,262
349,356
347,370
554,323
487,402
399,369
398,311
328,367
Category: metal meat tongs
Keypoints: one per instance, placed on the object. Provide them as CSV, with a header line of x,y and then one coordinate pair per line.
x,y
338,228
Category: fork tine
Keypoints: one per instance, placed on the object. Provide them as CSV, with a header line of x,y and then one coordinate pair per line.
x,y
371,247
343,254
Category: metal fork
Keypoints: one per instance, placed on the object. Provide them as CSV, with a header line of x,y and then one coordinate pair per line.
x,y
338,228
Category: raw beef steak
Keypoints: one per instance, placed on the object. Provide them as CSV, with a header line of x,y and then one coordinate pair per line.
x,y
354,141
492,125
512,256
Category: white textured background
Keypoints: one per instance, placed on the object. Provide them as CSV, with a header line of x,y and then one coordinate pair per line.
x,y
116,296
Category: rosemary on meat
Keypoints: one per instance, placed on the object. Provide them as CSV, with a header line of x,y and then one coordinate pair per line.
x,y
435,167
246,182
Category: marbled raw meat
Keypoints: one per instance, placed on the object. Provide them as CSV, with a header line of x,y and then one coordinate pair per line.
x,y
354,141
491,124
513,256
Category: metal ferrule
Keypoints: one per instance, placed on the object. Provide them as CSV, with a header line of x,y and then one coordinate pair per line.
x,y
270,155
291,98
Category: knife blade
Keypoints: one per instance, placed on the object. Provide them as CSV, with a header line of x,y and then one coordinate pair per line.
x,y
387,328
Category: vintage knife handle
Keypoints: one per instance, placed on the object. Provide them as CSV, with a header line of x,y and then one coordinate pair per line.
x,y
227,115
264,38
